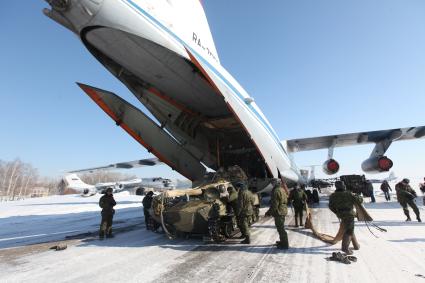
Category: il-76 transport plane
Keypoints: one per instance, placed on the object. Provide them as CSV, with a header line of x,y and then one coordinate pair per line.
x,y
163,51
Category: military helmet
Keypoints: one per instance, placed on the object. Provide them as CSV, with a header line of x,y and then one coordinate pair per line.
x,y
109,189
150,193
240,185
406,181
340,186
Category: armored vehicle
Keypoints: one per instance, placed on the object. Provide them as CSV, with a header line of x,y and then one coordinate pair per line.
x,y
207,210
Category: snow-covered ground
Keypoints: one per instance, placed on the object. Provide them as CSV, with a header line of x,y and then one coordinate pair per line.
x,y
137,255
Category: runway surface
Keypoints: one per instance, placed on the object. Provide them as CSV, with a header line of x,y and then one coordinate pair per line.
x,y
138,255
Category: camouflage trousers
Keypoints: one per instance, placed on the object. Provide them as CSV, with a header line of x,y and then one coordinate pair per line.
x,y
244,225
106,225
412,204
298,215
348,224
279,221
146,214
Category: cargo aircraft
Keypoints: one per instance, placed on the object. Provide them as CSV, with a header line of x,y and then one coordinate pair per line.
x,y
164,53
140,186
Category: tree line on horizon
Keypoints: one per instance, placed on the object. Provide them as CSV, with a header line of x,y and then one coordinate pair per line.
x,y
20,180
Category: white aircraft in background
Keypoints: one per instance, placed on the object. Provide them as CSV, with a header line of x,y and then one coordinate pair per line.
x,y
140,186
163,51
391,177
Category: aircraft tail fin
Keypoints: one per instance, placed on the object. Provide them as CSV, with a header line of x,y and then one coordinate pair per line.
x,y
392,176
74,182
189,15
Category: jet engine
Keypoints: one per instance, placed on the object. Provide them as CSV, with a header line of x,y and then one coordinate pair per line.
x,y
331,166
377,164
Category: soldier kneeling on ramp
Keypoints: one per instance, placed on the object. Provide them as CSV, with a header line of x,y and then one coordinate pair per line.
x,y
342,203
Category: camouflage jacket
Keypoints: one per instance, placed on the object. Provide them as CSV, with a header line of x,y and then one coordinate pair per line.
x,y
278,202
385,187
245,203
342,203
404,192
147,202
107,204
297,197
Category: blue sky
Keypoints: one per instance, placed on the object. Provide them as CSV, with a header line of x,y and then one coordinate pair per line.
x,y
314,68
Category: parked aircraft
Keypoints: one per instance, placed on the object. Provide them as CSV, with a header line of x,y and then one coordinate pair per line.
x,y
140,186
163,51
391,177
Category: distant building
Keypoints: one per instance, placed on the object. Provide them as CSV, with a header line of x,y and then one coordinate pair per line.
x,y
39,192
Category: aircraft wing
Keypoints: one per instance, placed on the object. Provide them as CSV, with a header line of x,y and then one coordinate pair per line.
x,y
123,165
399,134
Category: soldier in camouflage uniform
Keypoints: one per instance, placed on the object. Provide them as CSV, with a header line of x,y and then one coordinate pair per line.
x,y
147,204
406,196
279,209
341,202
298,199
107,203
233,199
245,211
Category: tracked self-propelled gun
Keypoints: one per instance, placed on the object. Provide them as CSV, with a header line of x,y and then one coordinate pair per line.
x,y
208,210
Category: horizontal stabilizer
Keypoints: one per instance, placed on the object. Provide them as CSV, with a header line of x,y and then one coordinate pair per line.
x,y
147,133
400,134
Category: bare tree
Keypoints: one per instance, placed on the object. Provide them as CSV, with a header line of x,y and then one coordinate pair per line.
x,y
16,179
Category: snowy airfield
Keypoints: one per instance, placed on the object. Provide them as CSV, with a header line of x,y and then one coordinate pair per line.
x,y
30,227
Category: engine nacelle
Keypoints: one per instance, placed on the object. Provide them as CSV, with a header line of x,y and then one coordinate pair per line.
x,y
377,164
330,167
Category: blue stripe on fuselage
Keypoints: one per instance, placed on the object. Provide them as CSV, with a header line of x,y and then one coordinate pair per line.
x,y
239,95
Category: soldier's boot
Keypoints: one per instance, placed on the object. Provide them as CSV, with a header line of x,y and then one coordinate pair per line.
x,y
406,212
301,220
283,243
296,222
246,241
346,239
102,231
356,245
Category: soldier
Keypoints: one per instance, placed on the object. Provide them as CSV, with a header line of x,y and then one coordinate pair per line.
x,y
422,187
147,204
107,203
385,188
369,188
406,196
233,199
278,209
341,202
245,211
298,199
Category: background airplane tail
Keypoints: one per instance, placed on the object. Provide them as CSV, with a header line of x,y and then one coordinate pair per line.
x,y
74,182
